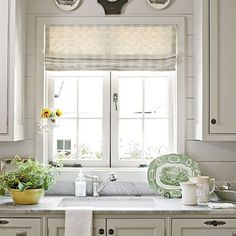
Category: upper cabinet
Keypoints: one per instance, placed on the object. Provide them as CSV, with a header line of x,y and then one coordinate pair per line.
x,y
215,69
12,64
3,64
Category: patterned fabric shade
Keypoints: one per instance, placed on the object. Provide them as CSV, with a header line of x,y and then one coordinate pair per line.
x,y
106,47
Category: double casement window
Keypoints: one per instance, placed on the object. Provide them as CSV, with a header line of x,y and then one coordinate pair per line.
x,y
112,118
120,85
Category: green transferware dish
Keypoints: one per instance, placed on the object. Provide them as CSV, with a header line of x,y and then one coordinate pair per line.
x,y
167,171
226,195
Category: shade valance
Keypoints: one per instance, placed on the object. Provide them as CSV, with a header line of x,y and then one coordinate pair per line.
x,y
106,47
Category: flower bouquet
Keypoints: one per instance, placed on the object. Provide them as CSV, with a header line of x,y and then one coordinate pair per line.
x,y
50,119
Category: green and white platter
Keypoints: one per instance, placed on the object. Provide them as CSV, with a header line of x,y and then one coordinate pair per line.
x,y
167,171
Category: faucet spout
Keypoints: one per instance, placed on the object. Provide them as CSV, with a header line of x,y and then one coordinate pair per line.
x,y
98,188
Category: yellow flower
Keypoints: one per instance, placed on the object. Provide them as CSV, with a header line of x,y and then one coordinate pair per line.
x,y
59,112
45,113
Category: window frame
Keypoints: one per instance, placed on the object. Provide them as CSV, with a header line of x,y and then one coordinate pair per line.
x,y
105,75
110,115
115,162
42,22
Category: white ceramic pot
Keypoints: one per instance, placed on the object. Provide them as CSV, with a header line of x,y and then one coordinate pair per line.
x,y
206,186
189,193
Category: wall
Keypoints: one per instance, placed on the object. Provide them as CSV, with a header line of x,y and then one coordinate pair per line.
x,y
215,158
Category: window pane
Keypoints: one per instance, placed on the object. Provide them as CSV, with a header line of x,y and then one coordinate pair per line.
x,y
68,144
130,97
90,139
149,132
90,97
156,97
59,144
156,136
64,140
65,95
130,139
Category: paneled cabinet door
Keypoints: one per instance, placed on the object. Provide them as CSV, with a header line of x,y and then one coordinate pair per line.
x,y
222,67
12,69
56,227
204,227
3,64
136,227
20,227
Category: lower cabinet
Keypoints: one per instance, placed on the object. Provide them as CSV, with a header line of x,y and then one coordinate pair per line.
x,y
56,227
136,227
20,227
204,227
122,227
117,227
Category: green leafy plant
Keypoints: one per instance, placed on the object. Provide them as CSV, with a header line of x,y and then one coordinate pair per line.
x,y
28,174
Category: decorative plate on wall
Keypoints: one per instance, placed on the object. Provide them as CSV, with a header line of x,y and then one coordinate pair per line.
x,y
158,4
67,5
167,171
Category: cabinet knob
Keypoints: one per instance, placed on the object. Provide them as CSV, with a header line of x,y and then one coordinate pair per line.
x,y
21,233
4,222
213,121
214,222
234,234
101,231
111,231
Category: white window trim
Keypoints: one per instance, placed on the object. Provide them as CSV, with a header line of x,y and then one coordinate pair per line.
x,y
41,140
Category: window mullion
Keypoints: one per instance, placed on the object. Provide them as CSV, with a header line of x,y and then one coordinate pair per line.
x,y
106,119
114,121
110,119
171,112
49,97
77,122
143,119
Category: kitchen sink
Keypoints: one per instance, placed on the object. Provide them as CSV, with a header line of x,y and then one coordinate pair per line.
x,y
108,202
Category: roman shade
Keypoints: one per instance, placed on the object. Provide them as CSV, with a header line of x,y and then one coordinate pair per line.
x,y
109,47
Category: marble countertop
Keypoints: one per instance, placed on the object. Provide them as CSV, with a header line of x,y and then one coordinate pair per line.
x,y
50,205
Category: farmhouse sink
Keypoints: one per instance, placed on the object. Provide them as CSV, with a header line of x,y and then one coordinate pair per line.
x,y
109,202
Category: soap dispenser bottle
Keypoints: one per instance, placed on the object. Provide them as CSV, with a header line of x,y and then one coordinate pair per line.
x,y
80,185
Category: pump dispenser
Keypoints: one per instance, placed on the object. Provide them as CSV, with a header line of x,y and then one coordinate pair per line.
x,y
80,185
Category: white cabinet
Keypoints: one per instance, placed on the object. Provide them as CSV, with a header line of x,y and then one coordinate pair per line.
x,y
20,227
215,69
56,227
12,64
136,227
204,227
117,227
3,65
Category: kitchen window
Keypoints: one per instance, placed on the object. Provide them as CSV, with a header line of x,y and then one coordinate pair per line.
x,y
111,118
120,87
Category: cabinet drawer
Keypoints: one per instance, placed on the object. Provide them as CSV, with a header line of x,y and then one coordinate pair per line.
x,y
56,227
20,227
204,227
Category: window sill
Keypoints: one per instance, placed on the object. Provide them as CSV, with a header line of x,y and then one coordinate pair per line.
x,y
105,169
125,174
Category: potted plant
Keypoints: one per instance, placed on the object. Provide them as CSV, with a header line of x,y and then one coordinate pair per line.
x,y
28,181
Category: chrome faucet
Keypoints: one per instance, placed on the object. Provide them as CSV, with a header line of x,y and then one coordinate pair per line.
x,y
98,188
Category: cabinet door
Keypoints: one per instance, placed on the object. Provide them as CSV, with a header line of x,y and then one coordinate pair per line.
x,y
20,227
136,227
3,64
56,227
203,227
222,67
